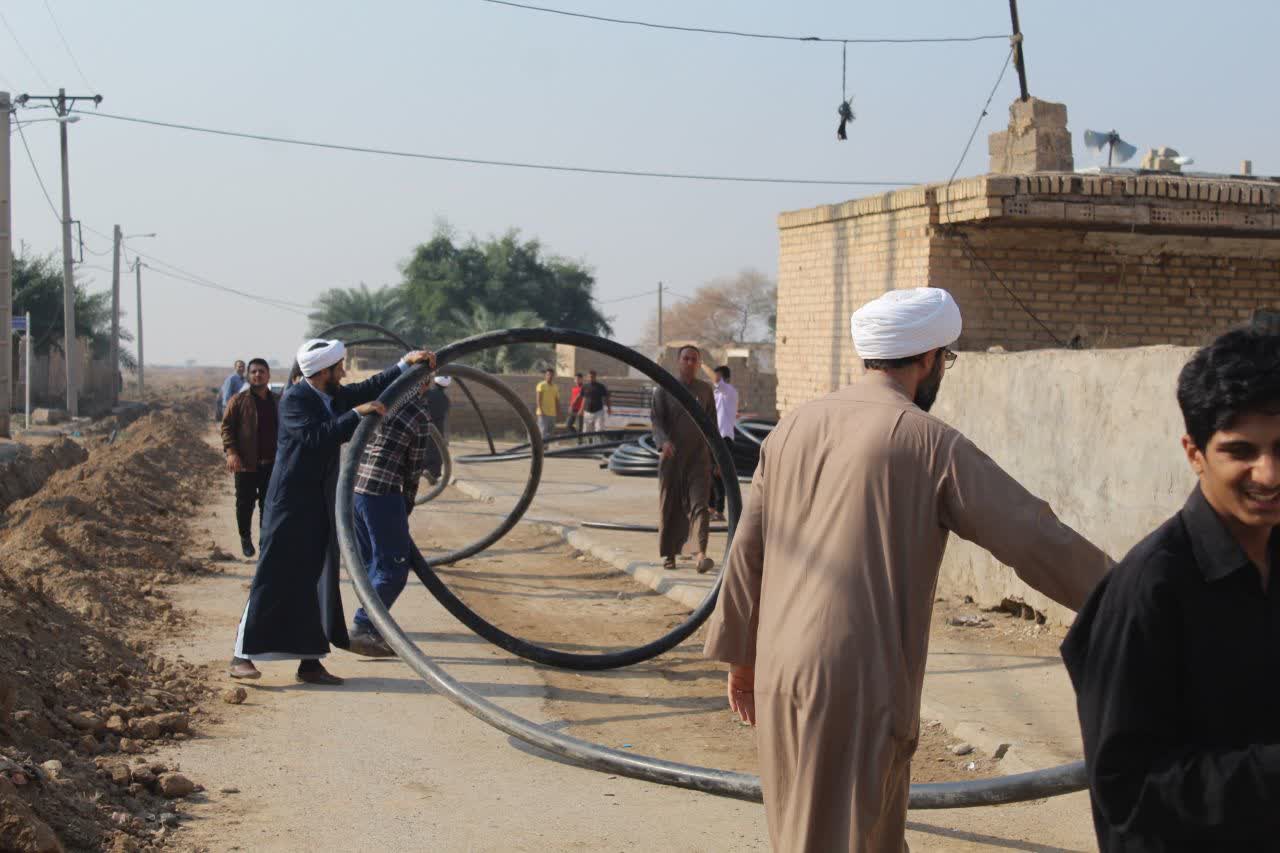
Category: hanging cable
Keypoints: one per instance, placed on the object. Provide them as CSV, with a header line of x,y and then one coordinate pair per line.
x,y
386,152
32,160
846,103
981,115
67,45
740,34
32,62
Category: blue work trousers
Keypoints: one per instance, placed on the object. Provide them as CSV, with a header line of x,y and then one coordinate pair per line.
x,y
382,535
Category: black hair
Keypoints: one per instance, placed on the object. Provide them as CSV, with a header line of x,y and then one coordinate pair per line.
x,y
892,363
1237,374
723,370
680,351
579,375
261,361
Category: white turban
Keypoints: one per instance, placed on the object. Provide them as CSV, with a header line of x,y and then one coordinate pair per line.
x,y
443,381
317,354
904,323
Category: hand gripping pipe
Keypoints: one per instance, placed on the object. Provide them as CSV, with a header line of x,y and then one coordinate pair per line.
x,y
1006,789
383,335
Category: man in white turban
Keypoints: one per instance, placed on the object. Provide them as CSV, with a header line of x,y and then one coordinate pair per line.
x,y
294,609
828,591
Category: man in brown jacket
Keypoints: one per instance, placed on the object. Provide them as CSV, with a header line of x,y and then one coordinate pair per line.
x,y
249,442
824,614
684,466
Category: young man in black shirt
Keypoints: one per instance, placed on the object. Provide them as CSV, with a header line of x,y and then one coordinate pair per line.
x,y
1176,656
595,404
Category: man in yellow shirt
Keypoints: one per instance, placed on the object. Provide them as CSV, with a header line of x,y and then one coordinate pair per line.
x,y
547,403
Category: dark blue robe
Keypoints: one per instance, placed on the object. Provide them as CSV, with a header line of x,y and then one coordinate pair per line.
x,y
294,608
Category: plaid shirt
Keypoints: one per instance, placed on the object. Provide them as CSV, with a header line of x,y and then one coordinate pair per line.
x,y
395,458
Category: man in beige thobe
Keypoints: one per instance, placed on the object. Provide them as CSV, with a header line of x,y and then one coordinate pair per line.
x,y
684,465
824,614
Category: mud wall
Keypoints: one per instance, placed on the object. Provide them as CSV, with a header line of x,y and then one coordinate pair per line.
x,y
1095,433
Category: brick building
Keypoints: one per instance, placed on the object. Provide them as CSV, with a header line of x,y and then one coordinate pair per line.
x,y
1045,259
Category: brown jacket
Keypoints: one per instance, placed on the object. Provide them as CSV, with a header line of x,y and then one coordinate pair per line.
x,y
240,428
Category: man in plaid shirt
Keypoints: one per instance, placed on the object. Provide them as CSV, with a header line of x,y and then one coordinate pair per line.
x,y
386,485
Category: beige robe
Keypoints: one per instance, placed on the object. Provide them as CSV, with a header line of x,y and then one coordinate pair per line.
x,y
829,590
684,480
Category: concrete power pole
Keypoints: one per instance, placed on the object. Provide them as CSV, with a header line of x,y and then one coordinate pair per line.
x,y
660,339
6,273
68,273
137,271
115,313
61,103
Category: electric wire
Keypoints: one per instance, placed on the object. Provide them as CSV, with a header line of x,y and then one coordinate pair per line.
x,y
35,169
263,300
23,50
741,34
67,45
478,161
981,115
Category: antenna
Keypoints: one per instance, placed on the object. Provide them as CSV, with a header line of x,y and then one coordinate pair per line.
x,y
1112,142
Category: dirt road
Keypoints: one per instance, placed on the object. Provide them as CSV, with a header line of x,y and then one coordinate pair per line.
x,y
382,762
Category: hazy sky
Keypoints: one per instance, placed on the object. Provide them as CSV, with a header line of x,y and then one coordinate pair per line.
x,y
468,78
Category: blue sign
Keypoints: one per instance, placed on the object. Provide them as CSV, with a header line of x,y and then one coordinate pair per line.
x,y
19,324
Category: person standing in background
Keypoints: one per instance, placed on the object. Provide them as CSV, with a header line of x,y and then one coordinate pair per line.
x,y
727,420
575,407
231,386
595,404
684,466
249,442
546,400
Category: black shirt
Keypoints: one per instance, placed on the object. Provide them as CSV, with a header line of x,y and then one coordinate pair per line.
x,y
1175,659
593,394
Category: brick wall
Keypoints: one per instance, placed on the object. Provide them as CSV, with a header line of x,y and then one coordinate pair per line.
x,y
1101,289
831,261
1100,260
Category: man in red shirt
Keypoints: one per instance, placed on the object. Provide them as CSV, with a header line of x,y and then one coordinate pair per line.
x,y
575,406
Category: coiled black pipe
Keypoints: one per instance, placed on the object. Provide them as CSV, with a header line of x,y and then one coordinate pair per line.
x,y
388,336
531,651
446,469
1019,787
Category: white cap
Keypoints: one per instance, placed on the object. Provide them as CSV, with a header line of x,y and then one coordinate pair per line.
x,y
905,323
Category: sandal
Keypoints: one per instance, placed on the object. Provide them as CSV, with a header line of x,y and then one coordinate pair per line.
x,y
669,564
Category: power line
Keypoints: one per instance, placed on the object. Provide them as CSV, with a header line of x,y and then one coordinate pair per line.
x,y
981,115
625,298
741,34
974,256
549,167
263,300
67,45
14,36
32,160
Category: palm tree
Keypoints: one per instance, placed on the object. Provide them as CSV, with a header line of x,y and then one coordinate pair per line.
x,y
385,306
520,358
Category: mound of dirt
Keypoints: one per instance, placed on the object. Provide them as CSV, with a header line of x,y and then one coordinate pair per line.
x,y
83,565
24,474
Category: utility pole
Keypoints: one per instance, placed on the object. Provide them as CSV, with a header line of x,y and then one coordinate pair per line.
x,y
137,270
62,103
115,313
6,273
661,344
1019,62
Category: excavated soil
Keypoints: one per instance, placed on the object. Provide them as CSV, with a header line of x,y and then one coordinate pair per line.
x,y
84,563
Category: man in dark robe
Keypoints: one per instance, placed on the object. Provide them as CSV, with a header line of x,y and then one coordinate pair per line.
x,y
294,609
684,466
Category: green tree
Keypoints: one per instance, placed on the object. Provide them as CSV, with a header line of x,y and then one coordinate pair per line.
x,y
385,306
521,358
37,288
445,282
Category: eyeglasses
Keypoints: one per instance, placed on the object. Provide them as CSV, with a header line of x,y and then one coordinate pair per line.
x,y
948,358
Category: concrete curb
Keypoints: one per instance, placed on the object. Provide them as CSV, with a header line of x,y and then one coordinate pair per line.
x,y
646,573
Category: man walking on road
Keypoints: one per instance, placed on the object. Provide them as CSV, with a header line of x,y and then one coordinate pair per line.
x,y
546,398
574,424
231,386
294,608
595,404
684,466
386,485
825,609
249,442
727,420
1174,657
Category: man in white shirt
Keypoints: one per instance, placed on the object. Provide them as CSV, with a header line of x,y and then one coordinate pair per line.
x,y
726,418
